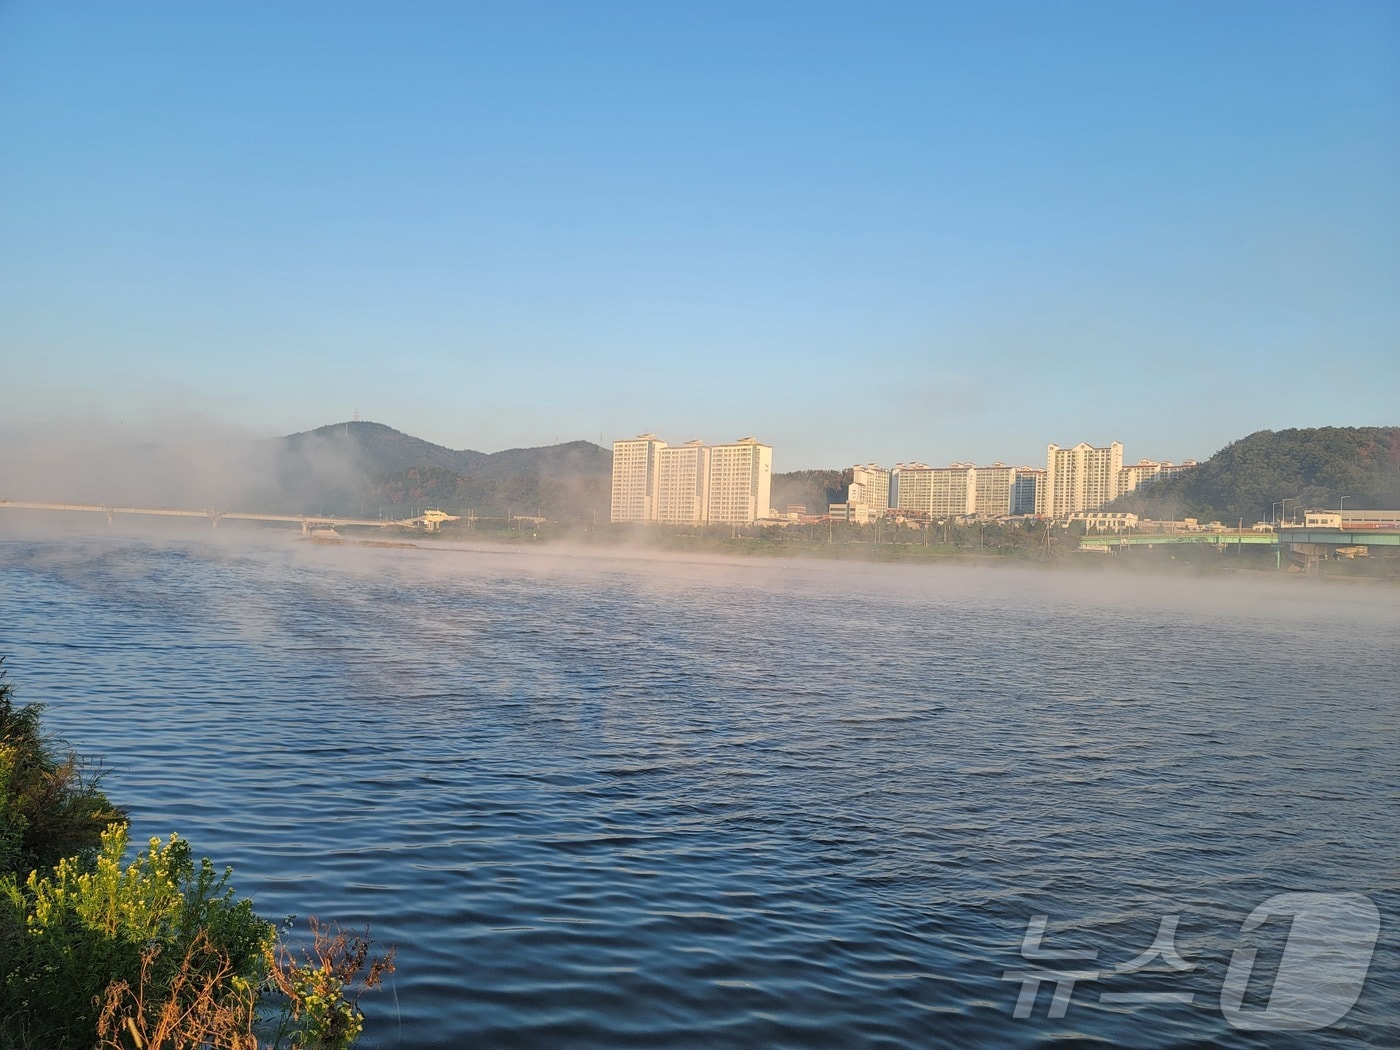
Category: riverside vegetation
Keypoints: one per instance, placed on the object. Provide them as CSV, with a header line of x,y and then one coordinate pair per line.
x,y
155,954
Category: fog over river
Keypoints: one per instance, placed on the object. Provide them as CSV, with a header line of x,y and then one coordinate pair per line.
x,y
610,801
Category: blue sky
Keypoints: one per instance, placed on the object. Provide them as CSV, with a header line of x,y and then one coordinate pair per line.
x,y
860,232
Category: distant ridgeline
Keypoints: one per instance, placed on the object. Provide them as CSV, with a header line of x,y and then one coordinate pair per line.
x,y
1315,467
370,469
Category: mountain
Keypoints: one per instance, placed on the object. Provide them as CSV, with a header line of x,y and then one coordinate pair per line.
x,y
376,450
1313,467
368,468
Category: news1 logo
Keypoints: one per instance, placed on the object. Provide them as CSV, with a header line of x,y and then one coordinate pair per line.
x,y
1323,967
1319,976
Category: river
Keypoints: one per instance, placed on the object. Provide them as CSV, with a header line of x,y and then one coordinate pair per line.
x,y
606,801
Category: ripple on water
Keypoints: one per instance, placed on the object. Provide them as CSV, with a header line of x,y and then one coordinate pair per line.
x,y
600,803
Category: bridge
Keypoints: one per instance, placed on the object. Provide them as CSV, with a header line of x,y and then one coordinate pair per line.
x,y
1154,539
430,520
1285,535
1305,546
1340,537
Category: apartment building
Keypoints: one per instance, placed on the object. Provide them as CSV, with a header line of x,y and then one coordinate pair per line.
x,y
870,487
683,483
1024,489
910,488
1083,477
634,478
1135,475
691,484
741,479
935,492
867,496
994,488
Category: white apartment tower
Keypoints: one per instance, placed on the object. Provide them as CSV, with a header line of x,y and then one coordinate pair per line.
x,y
994,490
953,491
937,492
870,487
691,484
1079,478
741,479
1135,475
683,483
634,478
909,488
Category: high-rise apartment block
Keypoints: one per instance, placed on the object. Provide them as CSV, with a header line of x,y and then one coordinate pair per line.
x,y
634,478
870,487
935,492
741,478
690,484
1028,483
994,488
696,484
867,496
1079,478
909,488
953,491
1135,475
683,484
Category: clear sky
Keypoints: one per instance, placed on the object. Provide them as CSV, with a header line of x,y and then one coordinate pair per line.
x,y
858,231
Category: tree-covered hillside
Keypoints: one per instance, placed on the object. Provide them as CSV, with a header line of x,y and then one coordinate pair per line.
x,y
363,468
813,489
374,450
1310,468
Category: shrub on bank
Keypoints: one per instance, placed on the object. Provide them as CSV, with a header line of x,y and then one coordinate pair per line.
x,y
157,954
50,803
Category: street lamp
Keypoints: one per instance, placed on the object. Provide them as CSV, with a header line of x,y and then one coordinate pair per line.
x,y
1340,503
1286,502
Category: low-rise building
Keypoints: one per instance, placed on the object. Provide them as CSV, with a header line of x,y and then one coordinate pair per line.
x,y
1099,521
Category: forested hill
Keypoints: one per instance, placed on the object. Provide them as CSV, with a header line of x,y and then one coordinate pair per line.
x,y
376,450
1310,468
369,468
813,489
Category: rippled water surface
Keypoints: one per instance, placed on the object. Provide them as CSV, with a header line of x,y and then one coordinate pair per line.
x,y
608,802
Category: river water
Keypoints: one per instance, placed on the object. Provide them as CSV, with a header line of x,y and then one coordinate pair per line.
x,y
630,801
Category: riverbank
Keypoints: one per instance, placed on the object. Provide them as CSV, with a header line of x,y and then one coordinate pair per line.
x,y
991,545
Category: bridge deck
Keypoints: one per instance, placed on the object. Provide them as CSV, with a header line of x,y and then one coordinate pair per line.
x,y
212,515
1324,537
1340,538
1156,539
